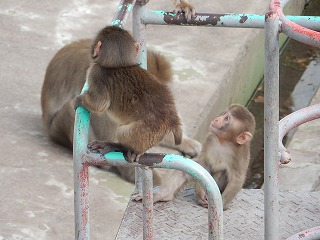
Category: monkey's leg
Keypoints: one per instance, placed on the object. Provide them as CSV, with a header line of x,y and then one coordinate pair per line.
x,y
201,196
188,145
60,129
234,186
172,181
138,136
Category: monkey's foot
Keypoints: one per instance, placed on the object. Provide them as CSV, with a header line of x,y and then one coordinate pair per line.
x,y
185,8
105,147
132,157
203,202
136,197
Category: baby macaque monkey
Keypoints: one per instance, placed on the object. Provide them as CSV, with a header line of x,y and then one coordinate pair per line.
x,y
226,152
142,107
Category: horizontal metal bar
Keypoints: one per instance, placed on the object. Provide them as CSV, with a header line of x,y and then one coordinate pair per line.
x,y
222,20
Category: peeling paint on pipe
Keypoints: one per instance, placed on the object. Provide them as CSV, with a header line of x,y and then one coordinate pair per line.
x,y
294,30
309,234
122,13
222,20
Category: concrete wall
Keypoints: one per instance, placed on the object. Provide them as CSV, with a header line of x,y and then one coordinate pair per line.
x,y
245,73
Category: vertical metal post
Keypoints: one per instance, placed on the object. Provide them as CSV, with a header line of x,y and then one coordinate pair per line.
x,y
139,32
122,13
271,131
147,201
80,174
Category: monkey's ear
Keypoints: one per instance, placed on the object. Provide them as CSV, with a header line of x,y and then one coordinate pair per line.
x,y
243,138
96,50
137,46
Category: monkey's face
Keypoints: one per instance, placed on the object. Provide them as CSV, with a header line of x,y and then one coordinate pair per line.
x,y
225,127
221,123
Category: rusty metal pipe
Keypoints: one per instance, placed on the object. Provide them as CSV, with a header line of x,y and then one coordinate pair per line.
x,y
294,120
80,142
122,13
271,120
222,20
294,30
309,234
147,202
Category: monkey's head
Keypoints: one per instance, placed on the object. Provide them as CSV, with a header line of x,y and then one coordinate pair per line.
x,y
236,125
114,47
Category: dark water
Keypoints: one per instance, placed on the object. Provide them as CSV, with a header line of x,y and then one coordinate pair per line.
x,y
294,60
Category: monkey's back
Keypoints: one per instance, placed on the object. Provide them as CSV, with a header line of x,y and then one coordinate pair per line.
x,y
140,96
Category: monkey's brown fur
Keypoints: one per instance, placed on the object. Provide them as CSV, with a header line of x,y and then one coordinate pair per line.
x,y
133,98
64,80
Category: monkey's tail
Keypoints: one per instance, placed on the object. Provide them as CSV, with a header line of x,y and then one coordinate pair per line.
x,y
177,134
159,66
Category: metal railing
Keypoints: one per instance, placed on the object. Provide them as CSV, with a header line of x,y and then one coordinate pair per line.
x,y
274,22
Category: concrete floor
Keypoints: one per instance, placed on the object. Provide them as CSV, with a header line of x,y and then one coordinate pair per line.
x,y
36,175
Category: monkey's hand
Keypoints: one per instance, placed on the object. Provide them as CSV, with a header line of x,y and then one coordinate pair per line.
x,y
190,147
77,102
203,201
186,8
105,147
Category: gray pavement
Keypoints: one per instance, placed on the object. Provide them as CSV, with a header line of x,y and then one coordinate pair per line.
x,y
213,68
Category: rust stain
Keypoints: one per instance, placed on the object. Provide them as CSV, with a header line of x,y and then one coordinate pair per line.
x,y
243,19
200,20
270,14
149,159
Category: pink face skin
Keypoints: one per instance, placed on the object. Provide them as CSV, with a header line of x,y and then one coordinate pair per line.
x,y
224,128
219,124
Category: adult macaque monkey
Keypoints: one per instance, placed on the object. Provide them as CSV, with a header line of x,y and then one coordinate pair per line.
x,y
64,80
134,99
225,154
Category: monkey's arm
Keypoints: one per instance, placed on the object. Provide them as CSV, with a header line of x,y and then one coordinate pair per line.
x,y
168,188
235,183
201,194
92,102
